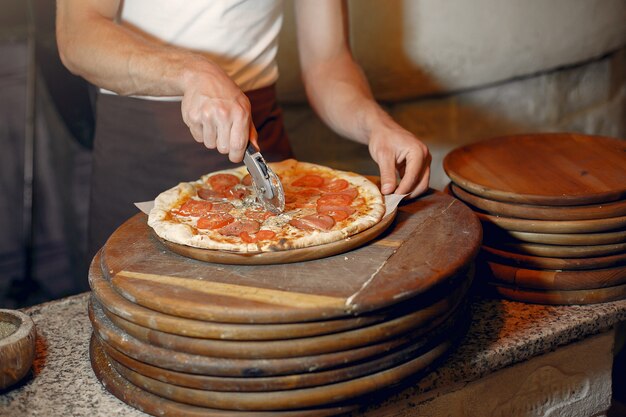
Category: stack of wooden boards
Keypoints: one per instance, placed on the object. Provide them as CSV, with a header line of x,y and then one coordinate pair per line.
x,y
553,210
180,336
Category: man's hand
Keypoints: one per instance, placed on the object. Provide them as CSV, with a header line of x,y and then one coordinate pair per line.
x,y
218,114
396,150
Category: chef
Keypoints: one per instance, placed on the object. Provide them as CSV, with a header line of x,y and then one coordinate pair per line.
x,y
176,75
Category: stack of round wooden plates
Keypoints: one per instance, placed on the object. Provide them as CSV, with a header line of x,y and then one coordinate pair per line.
x,y
553,209
180,336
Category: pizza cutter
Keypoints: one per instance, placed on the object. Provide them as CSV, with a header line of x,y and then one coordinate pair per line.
x,y
268,188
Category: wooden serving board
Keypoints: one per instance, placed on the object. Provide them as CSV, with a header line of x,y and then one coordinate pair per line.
x,y
412,257
159,406
287,400
555,280
288,382
554,226
493,235
540,262
286,256
357,347
590,296
561,169
537,212
560,251
421,318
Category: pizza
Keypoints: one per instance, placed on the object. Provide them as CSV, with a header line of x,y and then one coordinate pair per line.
x,y
220,211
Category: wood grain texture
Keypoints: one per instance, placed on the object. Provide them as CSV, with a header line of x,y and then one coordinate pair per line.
x,y
120,306
494,234
288,382
590,296
555,280
554,226
286,256
424,316
538,212
159,406
369,278
560,169
292,399
540,262
563,251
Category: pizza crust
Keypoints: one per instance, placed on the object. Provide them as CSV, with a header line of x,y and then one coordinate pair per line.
x,y
168,226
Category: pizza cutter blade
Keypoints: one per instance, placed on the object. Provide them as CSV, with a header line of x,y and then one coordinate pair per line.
x,y
266,183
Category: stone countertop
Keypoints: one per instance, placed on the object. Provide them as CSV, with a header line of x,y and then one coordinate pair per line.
x,y
502,333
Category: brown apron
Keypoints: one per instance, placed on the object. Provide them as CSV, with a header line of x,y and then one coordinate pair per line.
x,y
142,147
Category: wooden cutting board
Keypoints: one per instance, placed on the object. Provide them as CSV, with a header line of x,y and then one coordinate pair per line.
x,y
159,406
412,257
555,280
563,251
561,169
541,262
554,226
494,234
590,296
528,211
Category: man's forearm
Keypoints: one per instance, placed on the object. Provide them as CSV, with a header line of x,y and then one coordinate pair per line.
x,y
117,58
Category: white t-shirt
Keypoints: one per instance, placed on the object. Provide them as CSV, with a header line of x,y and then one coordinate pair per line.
x,y
239,35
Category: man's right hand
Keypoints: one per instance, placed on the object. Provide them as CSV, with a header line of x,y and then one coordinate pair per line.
x,y
218,113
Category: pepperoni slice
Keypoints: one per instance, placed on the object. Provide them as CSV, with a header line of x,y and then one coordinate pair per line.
x,y
335,185
313,222
236,193
258,215
223,182
309,180
334,199
236,228
338,213
222,207
259,236
214,221
350,192
195,208
307,192
209,194
247,180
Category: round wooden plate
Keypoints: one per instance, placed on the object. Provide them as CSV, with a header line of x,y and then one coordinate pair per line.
x,y
538,279
559,251
259,366
560,169
540,262
289,382
554,226
282,257
527,211
159,406
411,258
293,347
292,399
493,235
590,296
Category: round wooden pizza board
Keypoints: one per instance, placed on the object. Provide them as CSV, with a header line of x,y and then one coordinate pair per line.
x,y
561,169
290,399
559,251
412,257
158,406
557,297
359,346
494,234
540,279
282,257
285,382
554,226
540,262
537,212
424,317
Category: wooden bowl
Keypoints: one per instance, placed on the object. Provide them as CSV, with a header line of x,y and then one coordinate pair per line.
x,y
17,346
